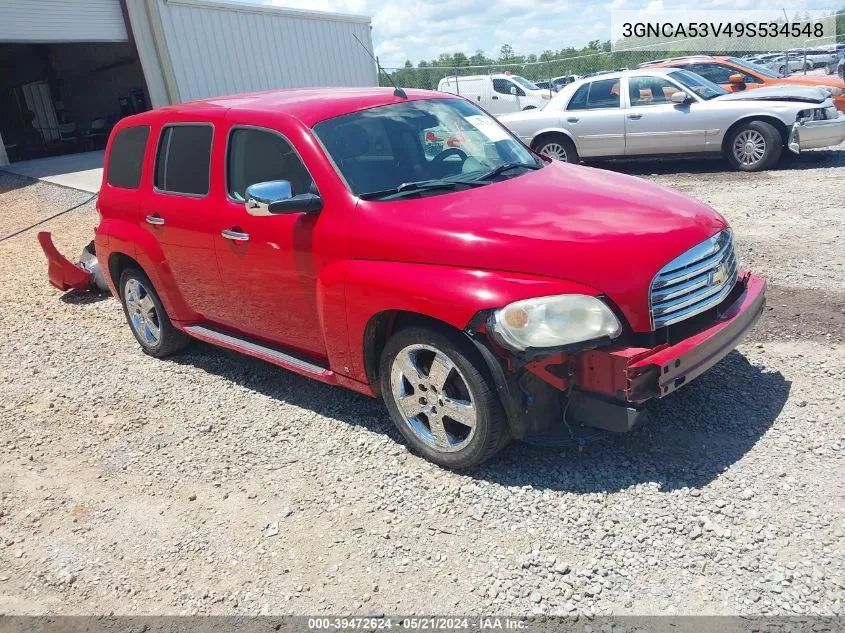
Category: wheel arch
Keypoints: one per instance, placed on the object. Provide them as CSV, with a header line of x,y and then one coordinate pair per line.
x,y
774,121
544,135
118,262
383,325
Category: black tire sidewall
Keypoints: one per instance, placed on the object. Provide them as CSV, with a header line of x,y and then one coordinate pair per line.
x,y
774,146
491,428
170,337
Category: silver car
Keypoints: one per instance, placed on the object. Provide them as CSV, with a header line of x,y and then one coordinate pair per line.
x,y
674,111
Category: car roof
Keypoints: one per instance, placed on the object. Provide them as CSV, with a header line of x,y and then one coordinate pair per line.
x,y
639,72
309,105
685,59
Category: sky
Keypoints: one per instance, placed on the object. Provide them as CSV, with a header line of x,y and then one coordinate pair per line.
x,y
422,29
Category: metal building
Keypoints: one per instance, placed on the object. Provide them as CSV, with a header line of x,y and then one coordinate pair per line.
x,y
69,69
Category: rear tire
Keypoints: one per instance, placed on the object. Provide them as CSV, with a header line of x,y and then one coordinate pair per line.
x,y
753,146
438,393
558,147
146,315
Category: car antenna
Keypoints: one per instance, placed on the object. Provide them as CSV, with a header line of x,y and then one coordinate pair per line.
x,y
397,91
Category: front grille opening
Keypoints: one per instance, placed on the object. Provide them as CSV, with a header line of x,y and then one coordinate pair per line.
x,y
694,282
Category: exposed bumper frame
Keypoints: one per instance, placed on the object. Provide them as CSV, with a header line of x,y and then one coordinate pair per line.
x,y
638,374
607,387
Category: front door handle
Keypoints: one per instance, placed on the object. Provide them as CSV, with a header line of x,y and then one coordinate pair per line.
x,y
155,219
235,236
635,117
572,119
495,97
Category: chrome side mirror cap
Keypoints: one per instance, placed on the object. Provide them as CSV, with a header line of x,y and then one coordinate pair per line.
x,y
680,97
261,195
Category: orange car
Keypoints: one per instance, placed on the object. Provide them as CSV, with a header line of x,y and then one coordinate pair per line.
x,y
737,74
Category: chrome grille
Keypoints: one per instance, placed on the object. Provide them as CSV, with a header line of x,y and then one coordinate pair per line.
x,y
693,282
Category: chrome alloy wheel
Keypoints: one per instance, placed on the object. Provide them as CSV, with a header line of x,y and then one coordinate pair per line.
x,y
433,397
749,147
142,312
554,151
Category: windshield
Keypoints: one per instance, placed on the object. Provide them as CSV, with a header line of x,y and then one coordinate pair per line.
x,y
755,68
522,81
704,88
437,141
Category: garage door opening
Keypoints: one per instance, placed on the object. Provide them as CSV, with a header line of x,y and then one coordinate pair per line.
x,y
65,98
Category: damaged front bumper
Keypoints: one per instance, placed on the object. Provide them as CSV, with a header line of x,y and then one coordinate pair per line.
x,y
816,134
626,378
607,387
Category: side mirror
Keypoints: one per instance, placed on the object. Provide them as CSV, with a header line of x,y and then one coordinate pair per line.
x,y
680,97
276,196
513,90
736,79
303,203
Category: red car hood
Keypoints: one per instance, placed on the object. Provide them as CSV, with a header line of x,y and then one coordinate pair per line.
x,y
605,230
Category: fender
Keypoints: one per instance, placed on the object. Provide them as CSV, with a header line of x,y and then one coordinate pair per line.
x,y
769,116
449,294
136,242
556,130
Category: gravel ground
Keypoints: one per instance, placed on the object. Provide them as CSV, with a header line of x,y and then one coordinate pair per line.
x,y
214,483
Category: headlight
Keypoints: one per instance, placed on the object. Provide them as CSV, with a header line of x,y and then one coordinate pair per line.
x,y
553,322
836,92
816,114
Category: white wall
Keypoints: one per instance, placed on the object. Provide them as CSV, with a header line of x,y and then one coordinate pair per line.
x,y
44,21
220,48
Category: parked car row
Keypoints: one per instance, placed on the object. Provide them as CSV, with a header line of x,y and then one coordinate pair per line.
x,y
737,75
675,111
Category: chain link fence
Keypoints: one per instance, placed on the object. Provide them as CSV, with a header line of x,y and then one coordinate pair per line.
x,y
428,76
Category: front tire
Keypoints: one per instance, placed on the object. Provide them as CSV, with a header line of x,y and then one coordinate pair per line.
x,y
436,389
558,147
754,146
146,316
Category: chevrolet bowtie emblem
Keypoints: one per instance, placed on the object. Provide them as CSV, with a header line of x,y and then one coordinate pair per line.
x,y
720,275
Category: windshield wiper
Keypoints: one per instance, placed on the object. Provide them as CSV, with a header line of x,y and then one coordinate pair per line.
x,y
422,185
501,169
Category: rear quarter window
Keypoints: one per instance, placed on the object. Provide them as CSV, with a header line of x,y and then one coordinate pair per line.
x,y
126,157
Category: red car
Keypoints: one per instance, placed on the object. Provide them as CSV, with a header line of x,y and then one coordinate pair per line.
x,y
484,292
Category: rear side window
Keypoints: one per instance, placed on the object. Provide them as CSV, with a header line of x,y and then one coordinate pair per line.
x,y
184,159
127,157
603,94
579,99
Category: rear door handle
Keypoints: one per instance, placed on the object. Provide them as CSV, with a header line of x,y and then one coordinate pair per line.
x,y
235,236
635,116
572,119
155,219
495,97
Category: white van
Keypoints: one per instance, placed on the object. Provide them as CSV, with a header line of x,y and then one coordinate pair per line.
x,y
498,93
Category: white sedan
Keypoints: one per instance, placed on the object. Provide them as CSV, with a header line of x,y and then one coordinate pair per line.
x,y
674,111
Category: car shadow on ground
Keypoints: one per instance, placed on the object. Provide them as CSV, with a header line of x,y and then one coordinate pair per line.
x,y
84,297
689,439
692,164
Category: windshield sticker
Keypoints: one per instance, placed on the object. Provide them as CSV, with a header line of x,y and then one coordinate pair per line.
x,y
488,127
